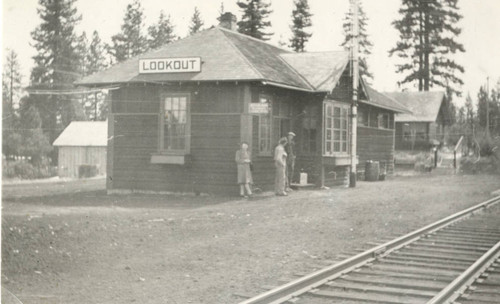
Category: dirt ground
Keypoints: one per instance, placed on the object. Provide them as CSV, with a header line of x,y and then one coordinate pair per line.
x,y
92,248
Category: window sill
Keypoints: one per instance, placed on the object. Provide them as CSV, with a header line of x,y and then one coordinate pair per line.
x,y
173,159
338,160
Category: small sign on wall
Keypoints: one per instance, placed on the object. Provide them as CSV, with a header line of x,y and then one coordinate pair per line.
x,y
170,65
259,108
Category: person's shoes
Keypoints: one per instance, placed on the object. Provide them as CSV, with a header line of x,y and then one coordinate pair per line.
x,y
282,194
289,189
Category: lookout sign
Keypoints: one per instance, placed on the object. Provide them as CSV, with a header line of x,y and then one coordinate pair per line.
x,y
170,65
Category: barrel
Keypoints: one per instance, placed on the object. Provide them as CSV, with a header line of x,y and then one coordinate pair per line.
x,y
372,170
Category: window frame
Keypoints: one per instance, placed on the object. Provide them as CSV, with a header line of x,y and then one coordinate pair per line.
x,y
161,122
269,116
342,143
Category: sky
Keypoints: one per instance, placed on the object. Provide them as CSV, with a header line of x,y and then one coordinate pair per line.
x,y
480,36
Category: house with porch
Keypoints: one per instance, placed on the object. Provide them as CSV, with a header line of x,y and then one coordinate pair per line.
x,y
425,124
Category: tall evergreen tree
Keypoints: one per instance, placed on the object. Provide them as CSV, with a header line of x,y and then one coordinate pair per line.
x,y
253,22
82,49
96,56
92,57
365,45
11,80
56,64
301,20
11,89
161,33
196,22
428,29
130,41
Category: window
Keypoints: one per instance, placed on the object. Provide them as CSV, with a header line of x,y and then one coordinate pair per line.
x,y
384,121
281,119
309,129
174,124
336,129
265,128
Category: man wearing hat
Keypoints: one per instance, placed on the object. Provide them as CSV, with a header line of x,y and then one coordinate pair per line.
x,y
290,161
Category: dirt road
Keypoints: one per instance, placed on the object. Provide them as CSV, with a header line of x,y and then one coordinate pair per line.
x,y
93,248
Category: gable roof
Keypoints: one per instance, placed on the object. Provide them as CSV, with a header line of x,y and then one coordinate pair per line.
x,y
84,134
424,106
322,70
381,100
230,56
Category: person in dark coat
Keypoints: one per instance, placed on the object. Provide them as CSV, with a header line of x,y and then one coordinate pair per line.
x,y
243,159
290,160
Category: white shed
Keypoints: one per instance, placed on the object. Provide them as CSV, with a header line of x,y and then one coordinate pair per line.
x,y
82,143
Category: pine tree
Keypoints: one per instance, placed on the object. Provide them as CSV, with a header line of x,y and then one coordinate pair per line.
x,y
82,50
427,43
130,41
11,80
365,45
301,19
96,57
253,22
11,89
56,64
161,33
196,22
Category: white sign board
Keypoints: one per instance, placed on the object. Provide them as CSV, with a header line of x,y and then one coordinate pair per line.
x,y
259,108
170,65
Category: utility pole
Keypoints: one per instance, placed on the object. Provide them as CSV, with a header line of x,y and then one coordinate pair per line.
x,y
355,84
488,108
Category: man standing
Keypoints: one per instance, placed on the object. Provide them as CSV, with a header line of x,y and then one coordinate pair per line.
x,y
290,161
280,164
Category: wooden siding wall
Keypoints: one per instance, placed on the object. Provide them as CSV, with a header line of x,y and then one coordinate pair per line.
x,y
71,158
403,145
377,145
215,136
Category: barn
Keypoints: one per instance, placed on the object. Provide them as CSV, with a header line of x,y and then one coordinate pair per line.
x,y
82,143
178,113
425,124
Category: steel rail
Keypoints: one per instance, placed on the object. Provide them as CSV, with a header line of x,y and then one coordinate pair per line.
x,y
294,288
455,289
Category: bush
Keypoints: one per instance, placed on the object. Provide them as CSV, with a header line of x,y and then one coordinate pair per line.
x,y
25,170
488,164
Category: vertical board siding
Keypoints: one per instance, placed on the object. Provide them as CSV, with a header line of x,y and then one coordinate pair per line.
x,y
71,158
377,145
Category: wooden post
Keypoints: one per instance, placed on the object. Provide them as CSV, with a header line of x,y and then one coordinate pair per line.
x,y
355,84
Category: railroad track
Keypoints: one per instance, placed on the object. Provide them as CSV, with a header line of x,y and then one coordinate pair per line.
x,y
455,260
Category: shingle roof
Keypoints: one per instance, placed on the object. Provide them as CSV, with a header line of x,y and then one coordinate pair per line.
x,y
84,134
228,55
322,70
381,100
424,106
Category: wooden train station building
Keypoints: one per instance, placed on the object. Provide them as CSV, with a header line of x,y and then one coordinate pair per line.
x,y
180,112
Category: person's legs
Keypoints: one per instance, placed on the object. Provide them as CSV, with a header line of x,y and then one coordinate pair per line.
x,y
276,181
281,179
242,190
247,187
